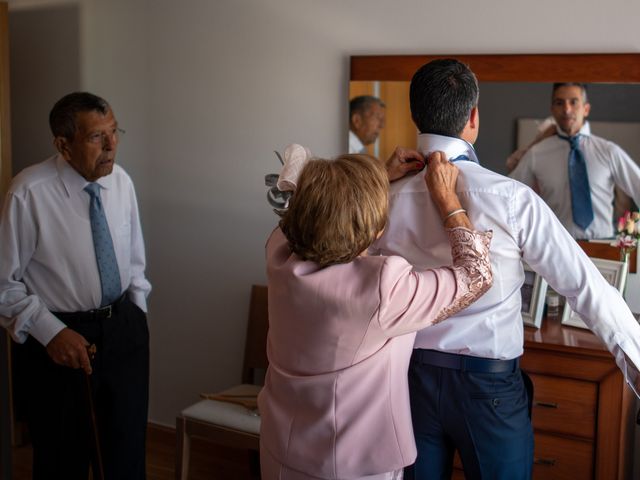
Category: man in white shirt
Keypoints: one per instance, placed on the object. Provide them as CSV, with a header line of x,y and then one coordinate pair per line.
x,y
547,167
72,274
467,390
366,120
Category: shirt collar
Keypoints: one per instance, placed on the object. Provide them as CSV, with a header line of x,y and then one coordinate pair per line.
x,y
355,145
73,181
453,147
585,130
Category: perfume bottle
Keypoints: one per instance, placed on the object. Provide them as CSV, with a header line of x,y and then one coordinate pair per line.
x,y
553,304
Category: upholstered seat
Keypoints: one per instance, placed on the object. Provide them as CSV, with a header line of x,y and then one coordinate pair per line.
x,y
229,413
230,417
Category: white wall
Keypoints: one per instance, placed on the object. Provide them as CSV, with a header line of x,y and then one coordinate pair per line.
x,y
208,89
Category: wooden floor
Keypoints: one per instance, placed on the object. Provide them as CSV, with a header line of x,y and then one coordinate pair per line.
x,y
208,461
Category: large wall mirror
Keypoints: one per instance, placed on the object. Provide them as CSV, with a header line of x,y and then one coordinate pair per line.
x,y
515,91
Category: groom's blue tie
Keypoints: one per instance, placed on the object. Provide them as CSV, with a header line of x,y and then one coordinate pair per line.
x,y
581,206
105,254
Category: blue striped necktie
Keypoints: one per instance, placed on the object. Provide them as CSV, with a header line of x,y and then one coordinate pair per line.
x,y
103,245
581,206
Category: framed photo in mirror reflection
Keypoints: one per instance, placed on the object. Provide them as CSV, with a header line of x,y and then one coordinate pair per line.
x,y
614,272
533,293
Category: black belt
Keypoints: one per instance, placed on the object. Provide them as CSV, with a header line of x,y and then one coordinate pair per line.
x,y
463,362
96,314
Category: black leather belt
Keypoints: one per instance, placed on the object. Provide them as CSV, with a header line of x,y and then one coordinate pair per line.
x,y
96,314
463,362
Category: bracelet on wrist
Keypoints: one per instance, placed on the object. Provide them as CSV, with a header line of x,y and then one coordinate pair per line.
x,y
455,212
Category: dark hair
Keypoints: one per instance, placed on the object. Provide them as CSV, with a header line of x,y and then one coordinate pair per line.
x,y
583,87
442,94
62,116
363,103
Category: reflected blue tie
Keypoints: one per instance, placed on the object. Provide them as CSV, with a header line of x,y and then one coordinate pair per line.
x,y
581,206
105,255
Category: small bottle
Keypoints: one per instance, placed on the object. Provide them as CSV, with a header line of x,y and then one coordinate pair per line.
x,y
553,304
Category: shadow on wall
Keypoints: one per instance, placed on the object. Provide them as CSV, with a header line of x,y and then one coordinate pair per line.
x,y
44,45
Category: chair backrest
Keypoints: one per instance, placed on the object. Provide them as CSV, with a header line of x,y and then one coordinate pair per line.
x,y
255,348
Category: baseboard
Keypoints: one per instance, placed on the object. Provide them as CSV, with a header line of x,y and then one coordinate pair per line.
x,y
159,427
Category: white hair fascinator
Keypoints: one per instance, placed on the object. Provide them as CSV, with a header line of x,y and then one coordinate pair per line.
x,y
283,185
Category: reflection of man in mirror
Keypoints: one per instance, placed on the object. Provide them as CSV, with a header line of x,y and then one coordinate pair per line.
x,y
366,120
456,366
576,172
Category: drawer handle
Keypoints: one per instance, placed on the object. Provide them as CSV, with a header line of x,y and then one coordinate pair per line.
x,y
549,462
546,404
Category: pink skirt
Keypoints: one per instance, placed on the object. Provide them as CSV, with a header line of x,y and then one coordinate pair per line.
x,y
271,469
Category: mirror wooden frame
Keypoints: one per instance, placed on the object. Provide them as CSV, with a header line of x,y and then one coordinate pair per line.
x,y
588,68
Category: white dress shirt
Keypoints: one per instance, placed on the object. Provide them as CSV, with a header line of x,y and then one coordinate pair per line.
x,y
355,145
524,228
546,165
47,258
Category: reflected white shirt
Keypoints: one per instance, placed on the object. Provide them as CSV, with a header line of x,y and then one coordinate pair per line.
x,y
546,164
355,145
524,228
47,258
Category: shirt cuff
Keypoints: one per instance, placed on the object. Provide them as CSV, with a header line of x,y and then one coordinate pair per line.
x,y
46,327
139,298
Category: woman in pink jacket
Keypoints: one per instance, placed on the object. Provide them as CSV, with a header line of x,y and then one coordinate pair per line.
x,y
335,404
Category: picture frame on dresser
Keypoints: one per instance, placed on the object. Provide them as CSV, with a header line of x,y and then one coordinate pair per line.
x,y
614,272
533,291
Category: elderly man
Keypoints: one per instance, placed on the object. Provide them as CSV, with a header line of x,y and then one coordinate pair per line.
x,y
466,387
576,172
72,274
366,120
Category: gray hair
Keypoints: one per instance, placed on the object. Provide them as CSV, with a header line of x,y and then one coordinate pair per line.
x,y
583,87
363,103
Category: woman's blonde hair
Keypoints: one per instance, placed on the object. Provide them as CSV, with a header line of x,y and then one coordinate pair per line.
x,y
338,209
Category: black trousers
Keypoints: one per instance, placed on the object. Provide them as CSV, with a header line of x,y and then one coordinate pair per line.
x,y
56,401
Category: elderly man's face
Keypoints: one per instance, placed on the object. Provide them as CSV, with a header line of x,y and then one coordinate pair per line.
x,y
569,108
367,126
92,151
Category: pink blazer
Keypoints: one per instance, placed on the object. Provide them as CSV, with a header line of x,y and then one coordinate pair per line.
x,y
336,400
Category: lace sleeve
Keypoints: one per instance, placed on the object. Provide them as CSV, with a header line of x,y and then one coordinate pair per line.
x,y
471,267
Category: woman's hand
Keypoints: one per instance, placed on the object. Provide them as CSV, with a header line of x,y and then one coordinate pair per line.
x,y
403,161
441,178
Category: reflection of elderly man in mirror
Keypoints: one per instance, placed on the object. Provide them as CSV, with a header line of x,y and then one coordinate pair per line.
x,y
576,172
366,120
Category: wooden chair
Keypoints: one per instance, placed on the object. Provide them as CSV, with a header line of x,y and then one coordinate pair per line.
x,y
222,422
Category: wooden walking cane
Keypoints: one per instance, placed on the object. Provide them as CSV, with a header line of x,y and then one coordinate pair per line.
x,y
99,475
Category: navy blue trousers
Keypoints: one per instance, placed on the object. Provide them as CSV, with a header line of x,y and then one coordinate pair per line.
x,y
485,416
56,399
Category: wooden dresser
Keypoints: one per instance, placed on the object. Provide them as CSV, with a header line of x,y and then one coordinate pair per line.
x,y
583,414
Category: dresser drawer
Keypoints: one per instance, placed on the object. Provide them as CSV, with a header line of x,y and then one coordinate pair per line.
x,y
563,405
560,458
555,458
